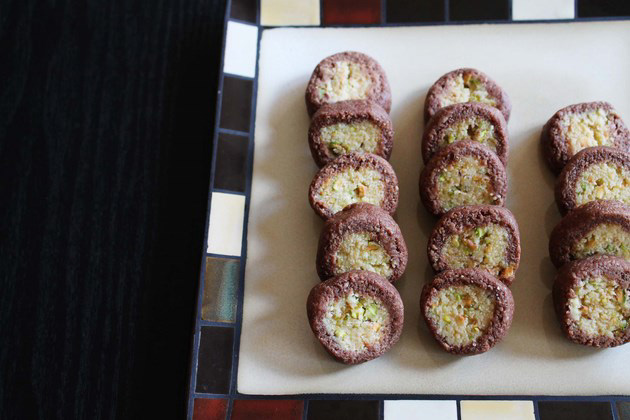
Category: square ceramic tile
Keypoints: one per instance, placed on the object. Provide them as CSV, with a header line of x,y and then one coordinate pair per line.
x,y
225,233
479,10
289,12
601,8
241,42
342,410
214,367
574,410
267,410
420,410
543,9
220,289
342,12
410,11
244,10
623,410
236,103
209,409
497,410
231,162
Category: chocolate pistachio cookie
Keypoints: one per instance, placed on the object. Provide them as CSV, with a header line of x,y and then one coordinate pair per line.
x,y
354,178
466,85
579,126
592,301
357,316
467,310
594,173
347,75
466,121
484,237
462,174
361,237
350,126
596,228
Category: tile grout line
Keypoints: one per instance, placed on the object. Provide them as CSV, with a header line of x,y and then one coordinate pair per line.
x,y
459,408
194,359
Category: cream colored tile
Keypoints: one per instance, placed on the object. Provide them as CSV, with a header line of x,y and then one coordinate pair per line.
x,y
420,410
497,410
240,49
543,9
289,12
225,233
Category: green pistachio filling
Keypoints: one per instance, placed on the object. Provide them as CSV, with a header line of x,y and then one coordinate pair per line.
x,y
364,185
600,307
603,181
465,182
604,239
473,128
462,314
343,81
357,322
343,138
361,251
587,129
466,88
480,247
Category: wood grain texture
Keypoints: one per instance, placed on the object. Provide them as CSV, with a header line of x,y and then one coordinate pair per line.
x,y
106,117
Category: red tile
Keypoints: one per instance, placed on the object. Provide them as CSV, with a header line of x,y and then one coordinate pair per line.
x,y
209,409
339,12
267,409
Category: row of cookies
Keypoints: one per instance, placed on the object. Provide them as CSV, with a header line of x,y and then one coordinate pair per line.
x,y
355,312
475,246
587,145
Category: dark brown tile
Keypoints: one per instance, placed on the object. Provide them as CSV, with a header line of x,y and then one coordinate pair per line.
x,y
215,360
236,103
244,10
574,410
603,8
209,409
231,162
267,409
410,11
479,9
342,410
358,12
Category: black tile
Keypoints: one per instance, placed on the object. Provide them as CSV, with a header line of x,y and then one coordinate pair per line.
x,y
231,166
215,360
574,410
342,410
601,8
623,410
236,103
479,9
244,10
409,11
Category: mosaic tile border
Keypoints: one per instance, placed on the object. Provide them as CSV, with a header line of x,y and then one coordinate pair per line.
x,y
216,339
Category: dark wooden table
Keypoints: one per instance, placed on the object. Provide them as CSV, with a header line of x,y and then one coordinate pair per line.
x,y
106,116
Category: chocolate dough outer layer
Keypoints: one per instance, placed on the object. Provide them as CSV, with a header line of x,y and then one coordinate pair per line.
x,y
449,155
582,220
566,183
503,311
349,112
357,218
379,91
614,268
355,161
463,218
364,283
432,102
452,114
554,143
